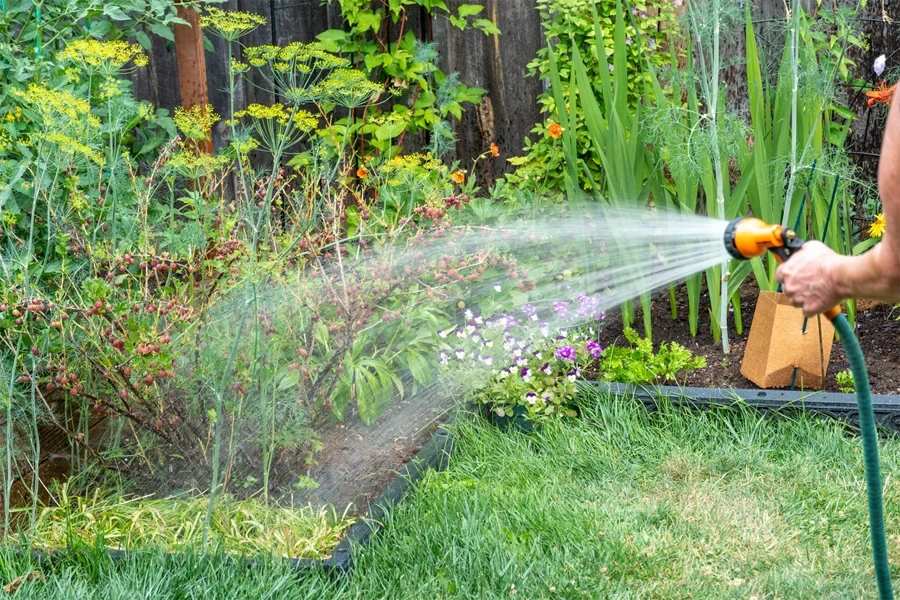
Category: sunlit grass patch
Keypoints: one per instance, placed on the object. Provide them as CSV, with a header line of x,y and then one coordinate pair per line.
x,y
175,524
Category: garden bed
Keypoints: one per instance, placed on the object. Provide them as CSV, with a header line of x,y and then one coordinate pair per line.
x,y
387,464
878,332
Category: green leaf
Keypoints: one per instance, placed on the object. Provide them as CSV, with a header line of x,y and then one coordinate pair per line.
x,y
457,22
290,380
487,26
162,31
389,130
366,20
865,245
115,13
332,35
144,40
469,10
373,61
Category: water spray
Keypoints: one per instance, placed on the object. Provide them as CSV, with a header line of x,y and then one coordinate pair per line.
x,y
747,238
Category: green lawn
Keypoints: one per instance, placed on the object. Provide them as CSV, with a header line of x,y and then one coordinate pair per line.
x,y
720,504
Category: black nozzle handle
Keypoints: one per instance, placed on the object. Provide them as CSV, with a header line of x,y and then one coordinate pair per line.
x,y
791,245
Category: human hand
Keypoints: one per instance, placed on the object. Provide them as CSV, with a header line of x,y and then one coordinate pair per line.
x,y
808,278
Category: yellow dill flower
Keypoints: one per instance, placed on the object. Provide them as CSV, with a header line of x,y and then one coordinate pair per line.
x,y
230,24
878,227
58,107
412,162
95,54
349,88
196,122
195,165
239,67
72,146
303,120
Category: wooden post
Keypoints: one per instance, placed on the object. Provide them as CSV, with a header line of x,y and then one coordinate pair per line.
x,y
192,65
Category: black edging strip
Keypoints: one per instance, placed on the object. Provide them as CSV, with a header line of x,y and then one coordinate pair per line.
x,y
837,406
435,454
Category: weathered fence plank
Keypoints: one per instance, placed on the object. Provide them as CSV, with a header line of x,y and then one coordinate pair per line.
x,y
496,63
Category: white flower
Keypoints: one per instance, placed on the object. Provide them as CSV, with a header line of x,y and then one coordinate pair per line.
x,y
533,317
563,333
460,354
478,320
521,362
444,333
489,344
517,352
497,288
469,314
879,65
444,358
545,329
461,333
488,360
504,373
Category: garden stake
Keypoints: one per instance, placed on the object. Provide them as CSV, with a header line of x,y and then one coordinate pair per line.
x,y
747,238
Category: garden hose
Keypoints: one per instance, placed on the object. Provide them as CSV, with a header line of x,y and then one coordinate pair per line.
x,y
747,238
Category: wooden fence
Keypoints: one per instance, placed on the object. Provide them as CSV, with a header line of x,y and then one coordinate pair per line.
x,y
498,64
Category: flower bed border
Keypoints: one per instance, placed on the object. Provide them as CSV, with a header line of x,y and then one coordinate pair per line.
x,y
435,454
837,406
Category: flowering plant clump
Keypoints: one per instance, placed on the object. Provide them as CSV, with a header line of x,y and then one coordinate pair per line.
x,y
522,360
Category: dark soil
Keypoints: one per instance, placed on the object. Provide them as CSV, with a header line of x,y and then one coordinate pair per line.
x,y
358,462
878,332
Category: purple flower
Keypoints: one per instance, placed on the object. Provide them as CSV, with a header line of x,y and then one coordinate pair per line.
x,y
879,65
561,309
594,349
628,41
545,329
444,358
525,374
572,375
651,43
486,360
566,353
546,369
521,362
531,398
530,311
444,333
504,373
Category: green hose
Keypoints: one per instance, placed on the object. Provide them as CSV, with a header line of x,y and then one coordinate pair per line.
x,y
870,454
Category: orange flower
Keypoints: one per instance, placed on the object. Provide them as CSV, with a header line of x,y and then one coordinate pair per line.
x,y
882,94
458,176
555,130
495,150
362,173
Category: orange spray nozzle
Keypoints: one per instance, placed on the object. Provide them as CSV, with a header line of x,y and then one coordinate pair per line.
x,y
748,237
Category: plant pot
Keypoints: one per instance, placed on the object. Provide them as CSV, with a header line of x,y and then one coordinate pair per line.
x,y
784,348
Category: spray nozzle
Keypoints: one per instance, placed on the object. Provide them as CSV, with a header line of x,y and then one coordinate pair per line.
x,y
748,237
